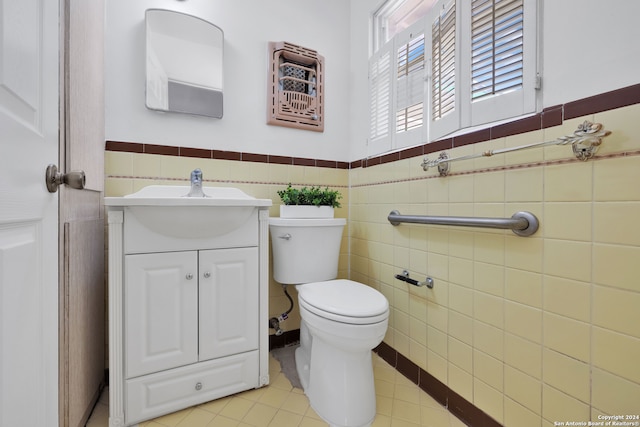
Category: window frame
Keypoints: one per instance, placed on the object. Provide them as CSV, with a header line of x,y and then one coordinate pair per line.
x,y
504,105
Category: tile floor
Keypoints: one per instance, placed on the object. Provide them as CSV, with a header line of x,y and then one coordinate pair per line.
x,y
400,403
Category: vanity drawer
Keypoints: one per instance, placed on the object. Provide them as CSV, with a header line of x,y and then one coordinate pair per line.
x,y
168,391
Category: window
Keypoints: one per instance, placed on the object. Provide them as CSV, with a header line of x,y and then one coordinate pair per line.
x,y
478,57
396,16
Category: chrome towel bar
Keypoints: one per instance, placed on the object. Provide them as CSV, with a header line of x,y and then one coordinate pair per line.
x,y
521,223
584,142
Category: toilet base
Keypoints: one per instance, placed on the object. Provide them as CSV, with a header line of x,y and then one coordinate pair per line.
x,y
339,384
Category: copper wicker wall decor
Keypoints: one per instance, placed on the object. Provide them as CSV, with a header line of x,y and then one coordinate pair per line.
x,y
295,95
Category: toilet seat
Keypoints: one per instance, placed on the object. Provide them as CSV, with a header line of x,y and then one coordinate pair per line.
x,y
344,301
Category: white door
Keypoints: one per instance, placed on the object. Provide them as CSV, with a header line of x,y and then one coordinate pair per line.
x,y
229,296
28,213
161,311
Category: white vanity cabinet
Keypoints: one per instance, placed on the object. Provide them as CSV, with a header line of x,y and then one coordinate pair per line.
x,y
187,316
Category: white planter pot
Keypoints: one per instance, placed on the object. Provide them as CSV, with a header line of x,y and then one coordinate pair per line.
x,y
303,211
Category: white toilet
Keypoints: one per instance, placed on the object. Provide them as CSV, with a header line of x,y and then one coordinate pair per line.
x,y
342,320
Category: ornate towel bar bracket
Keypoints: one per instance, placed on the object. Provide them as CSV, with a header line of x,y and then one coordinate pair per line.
x,y
585,142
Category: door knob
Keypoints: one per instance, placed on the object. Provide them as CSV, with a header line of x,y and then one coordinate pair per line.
x,y
74,179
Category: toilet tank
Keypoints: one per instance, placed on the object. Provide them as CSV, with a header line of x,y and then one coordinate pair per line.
x,y
305,250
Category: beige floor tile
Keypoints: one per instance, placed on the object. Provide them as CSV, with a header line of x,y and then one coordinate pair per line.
x,y
260,415
406,411
312,422
381,421
237,408
384,388
384,405
172,420
397,422
407,393
426,400
220,421
296,403
285,419
311,413
215,406
434,417
253,395
197,418
274,397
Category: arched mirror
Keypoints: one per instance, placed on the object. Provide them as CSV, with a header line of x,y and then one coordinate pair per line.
x,y
183,64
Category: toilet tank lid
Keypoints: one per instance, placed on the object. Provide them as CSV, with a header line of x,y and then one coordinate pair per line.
x,y
344,297
307,222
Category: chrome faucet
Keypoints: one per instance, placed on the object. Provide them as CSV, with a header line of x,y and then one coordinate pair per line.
x,y
196,184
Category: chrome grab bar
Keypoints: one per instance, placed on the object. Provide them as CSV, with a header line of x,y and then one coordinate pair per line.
x,y
521,223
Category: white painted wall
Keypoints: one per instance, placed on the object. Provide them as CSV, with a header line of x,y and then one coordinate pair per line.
x,y
588,47
248,25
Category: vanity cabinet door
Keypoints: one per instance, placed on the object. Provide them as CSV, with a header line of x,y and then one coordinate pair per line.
x,y
229,295
161,311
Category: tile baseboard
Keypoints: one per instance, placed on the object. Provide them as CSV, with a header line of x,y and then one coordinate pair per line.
x,y
456,404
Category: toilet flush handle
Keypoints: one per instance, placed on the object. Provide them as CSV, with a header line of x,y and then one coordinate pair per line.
x,y
285,236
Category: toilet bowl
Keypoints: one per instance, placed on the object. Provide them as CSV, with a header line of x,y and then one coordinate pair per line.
x,y
341,320
334,365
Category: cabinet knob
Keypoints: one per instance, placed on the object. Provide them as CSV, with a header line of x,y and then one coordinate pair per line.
x,y
207,274
189,276
198,386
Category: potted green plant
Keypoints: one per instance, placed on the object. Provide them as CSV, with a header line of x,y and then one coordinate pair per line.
x,y
308,202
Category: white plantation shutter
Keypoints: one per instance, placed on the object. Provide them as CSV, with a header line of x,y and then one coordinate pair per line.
x,y
445,70
380,93
410,86
496,47
502,49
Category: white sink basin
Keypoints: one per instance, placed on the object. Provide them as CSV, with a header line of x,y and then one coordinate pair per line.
x,y
166,210
175,195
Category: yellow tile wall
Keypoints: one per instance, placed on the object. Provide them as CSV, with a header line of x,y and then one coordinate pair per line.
x,y
531,330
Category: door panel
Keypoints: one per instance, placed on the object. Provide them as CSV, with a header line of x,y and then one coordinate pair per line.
x,y
228,302
84,339
21,321
28,213
161,311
